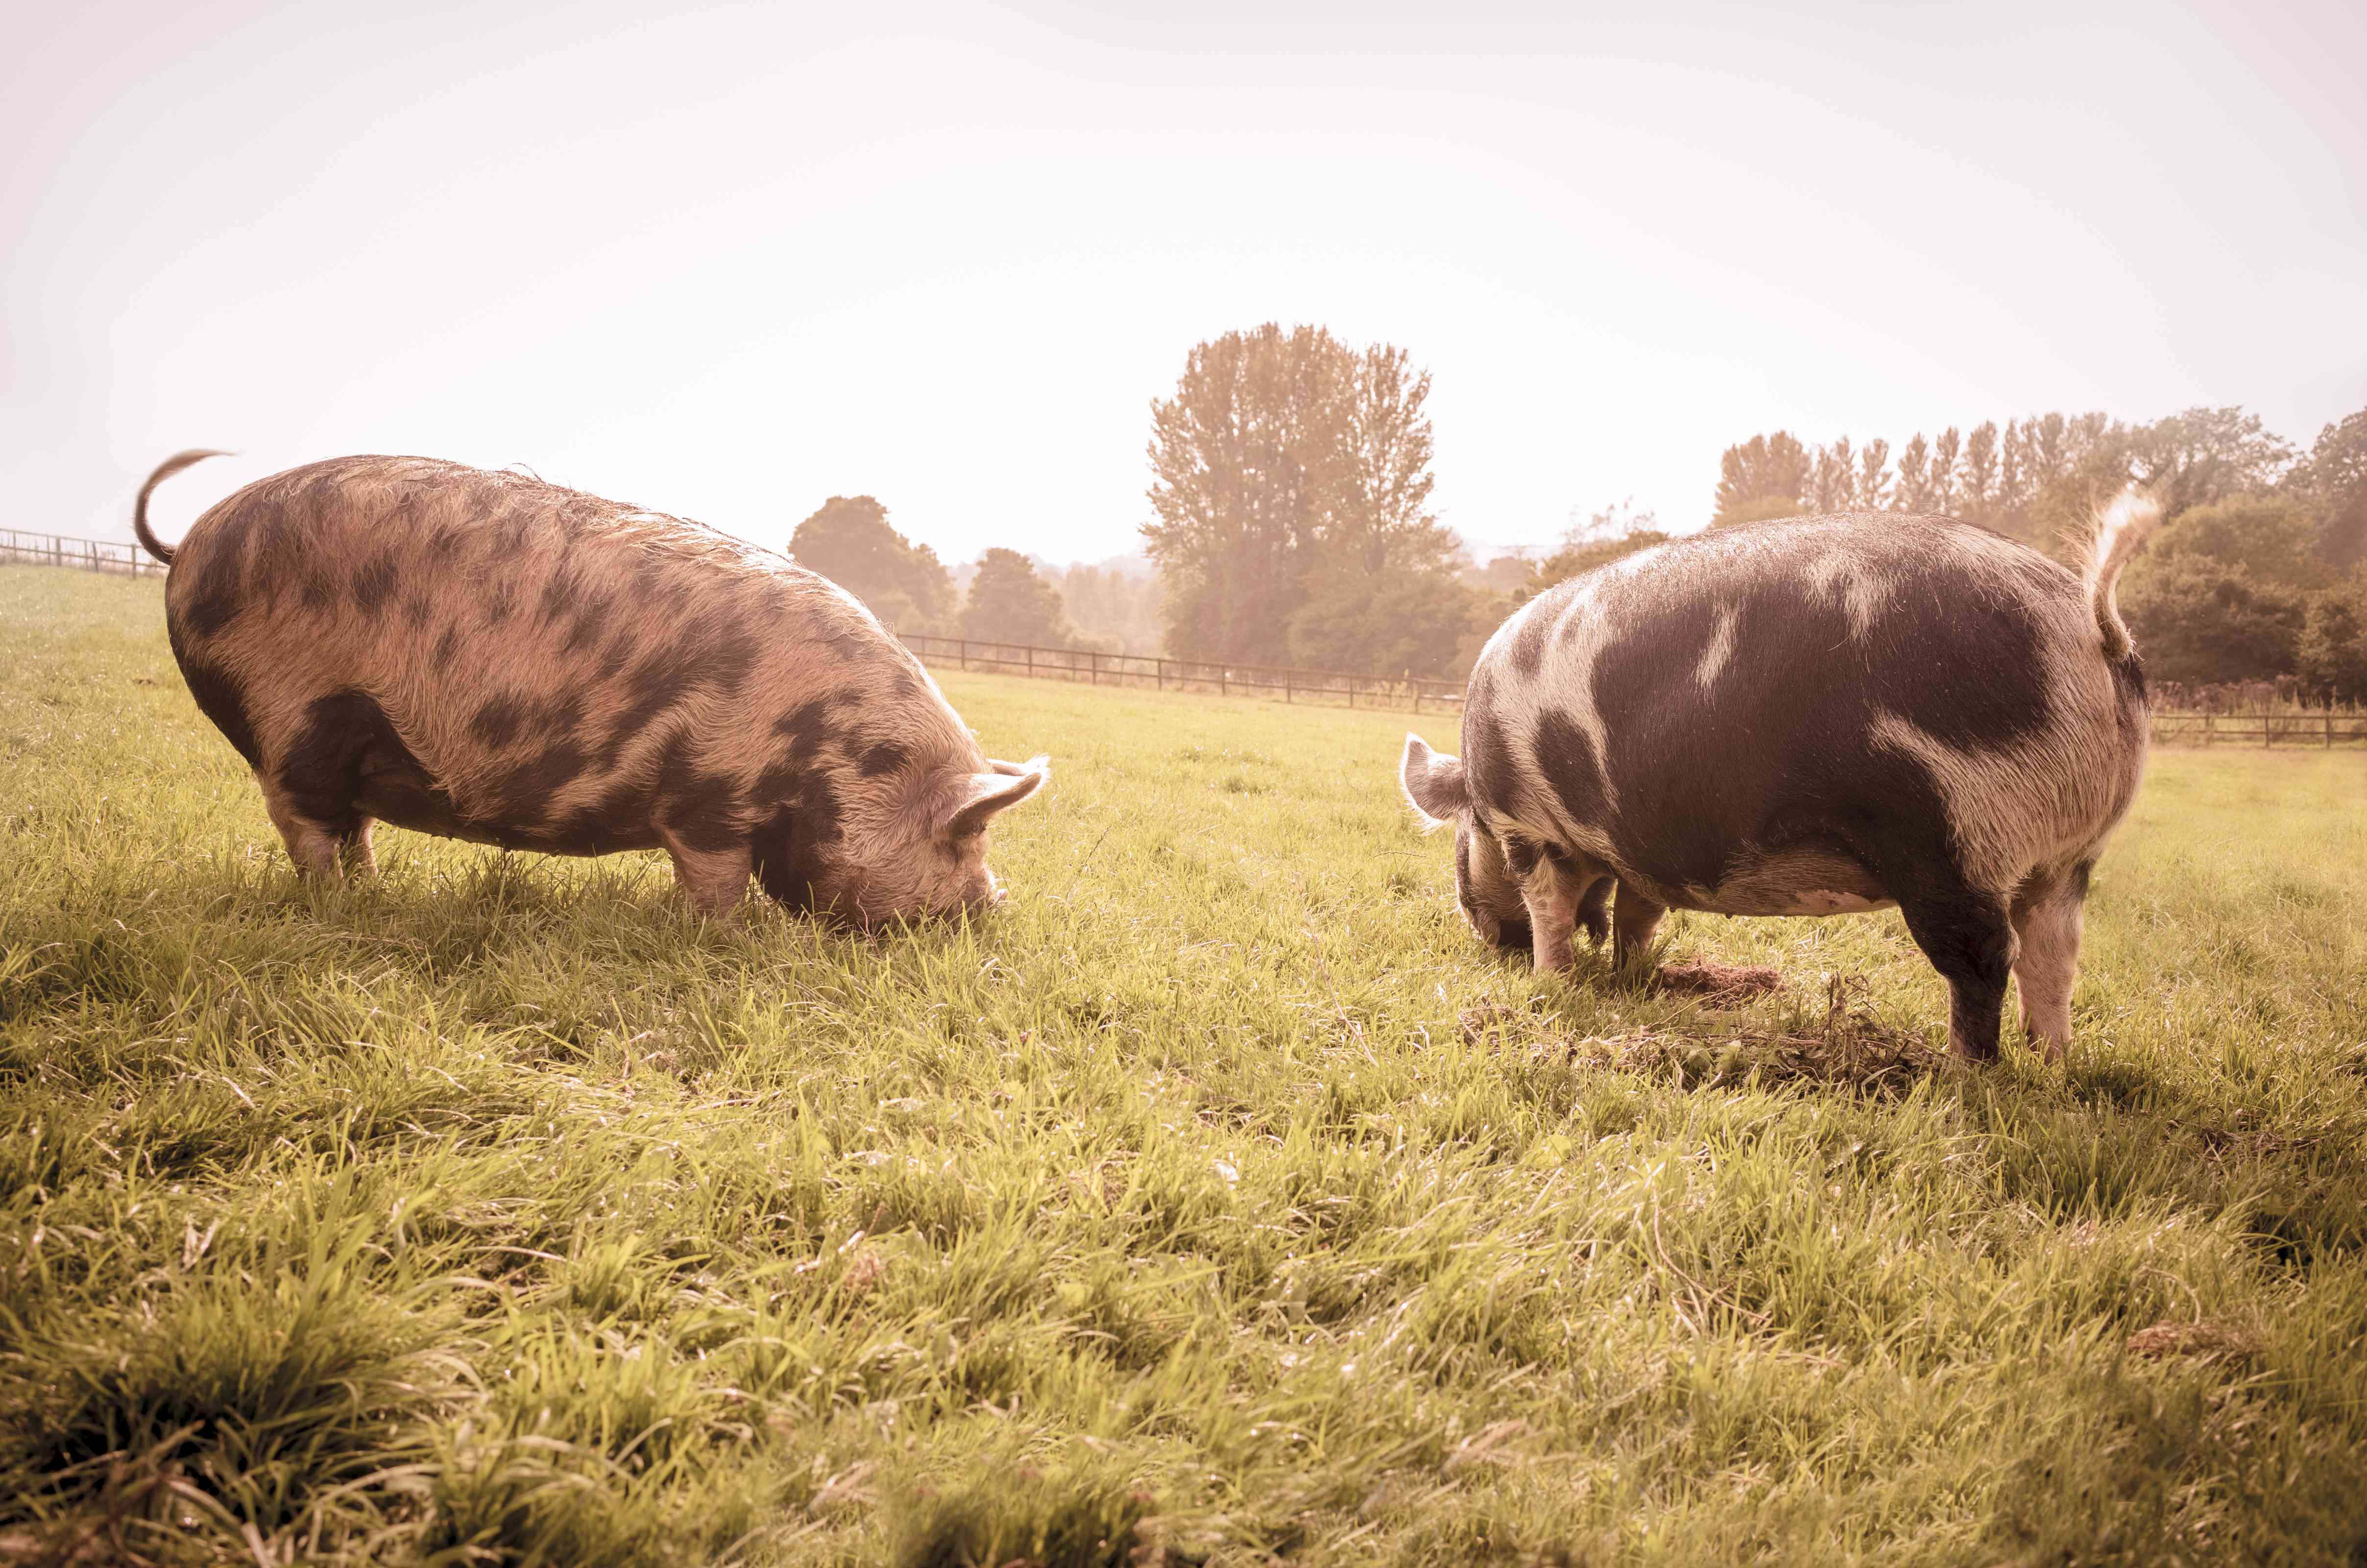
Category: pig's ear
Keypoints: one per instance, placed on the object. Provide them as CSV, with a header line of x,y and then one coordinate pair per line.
x,y
985,794
1434,783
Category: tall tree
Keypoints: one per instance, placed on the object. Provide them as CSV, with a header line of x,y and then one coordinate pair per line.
x,y
1289,468
2333,479
1914,492
1873,476
1010,601
2205,455
1977,495
1764,477
849,541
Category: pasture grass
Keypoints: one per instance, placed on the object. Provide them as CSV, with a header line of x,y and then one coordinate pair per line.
x,y
1219,1201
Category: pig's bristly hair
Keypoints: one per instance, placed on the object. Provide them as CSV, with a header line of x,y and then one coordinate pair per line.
x,y
2121,529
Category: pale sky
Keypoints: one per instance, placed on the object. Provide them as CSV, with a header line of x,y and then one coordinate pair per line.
x,y
729,261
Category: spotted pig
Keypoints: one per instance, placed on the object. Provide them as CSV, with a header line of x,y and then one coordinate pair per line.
x,y
1808,717
486,656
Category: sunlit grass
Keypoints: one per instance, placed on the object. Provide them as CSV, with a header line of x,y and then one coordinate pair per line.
x,y
501,1211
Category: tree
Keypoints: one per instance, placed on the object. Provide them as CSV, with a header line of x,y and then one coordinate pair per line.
x,y
2333,479
1289,468
850,542
2269,536
1756,475
2198,619
1606,535
1010,601
1402,624
2205,455
1873,476
2331,656
1115,606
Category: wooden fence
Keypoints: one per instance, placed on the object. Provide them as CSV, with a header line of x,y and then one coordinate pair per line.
x,y
90,554
1279,682
2322,728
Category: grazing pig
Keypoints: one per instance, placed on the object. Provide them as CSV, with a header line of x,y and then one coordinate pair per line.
x,y
1809,717
486,656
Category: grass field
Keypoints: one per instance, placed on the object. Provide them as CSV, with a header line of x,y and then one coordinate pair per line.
x,y
1219,1199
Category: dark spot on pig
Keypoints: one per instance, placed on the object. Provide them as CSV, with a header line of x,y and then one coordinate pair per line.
x,y
620,819
1566,757
277,557
620,651
661,681
1529,645
882,759
521,798
1488,761
730,658
1969,668
564,717
1520,856
374,584
321,770
499,605
221,698
445,646
809,729
215,597
497,722
699,808
789,847
418,609
560,591
589,623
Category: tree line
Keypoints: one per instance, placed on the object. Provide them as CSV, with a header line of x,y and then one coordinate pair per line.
x,y
1010,598
2258,573
1291,524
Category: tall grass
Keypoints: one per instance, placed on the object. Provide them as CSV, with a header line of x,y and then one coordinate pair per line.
x,y
1217,1200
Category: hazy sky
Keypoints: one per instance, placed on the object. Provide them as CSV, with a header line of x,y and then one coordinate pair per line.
x,y
732,260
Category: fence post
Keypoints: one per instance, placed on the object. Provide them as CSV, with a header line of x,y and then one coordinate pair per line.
x,y
2330,728
1031,658
1224,680
1095,679
1159,673
1288,694
2265,731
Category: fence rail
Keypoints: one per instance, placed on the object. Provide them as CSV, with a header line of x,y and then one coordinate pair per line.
x,y
1282,682
2323,728
90,554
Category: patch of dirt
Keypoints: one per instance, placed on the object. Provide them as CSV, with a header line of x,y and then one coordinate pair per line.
x,y
2202,1341
1851,1049
1719,984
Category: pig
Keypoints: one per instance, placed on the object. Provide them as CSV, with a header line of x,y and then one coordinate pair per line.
x,y
482,655
1811,716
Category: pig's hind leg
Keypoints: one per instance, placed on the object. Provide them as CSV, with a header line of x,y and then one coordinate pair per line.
x,y
312,786
2046,917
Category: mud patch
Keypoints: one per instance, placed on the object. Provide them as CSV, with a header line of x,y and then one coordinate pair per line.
x,y
1717,984
1851,1049
2197,1341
